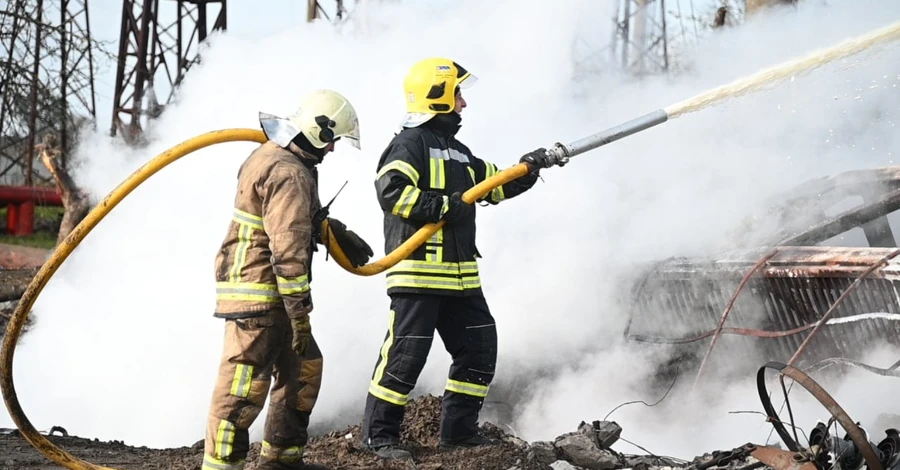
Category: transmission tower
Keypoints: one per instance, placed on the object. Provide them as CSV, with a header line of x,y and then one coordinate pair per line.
x,y
156,48
335,11
46,81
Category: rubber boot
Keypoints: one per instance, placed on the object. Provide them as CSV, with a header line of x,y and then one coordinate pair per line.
x,y
390,452
474,441
266,464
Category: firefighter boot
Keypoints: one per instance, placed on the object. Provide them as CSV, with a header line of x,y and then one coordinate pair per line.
x,y
268,464
474,441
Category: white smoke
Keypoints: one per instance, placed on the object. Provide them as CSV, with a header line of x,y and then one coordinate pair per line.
x,y
126,346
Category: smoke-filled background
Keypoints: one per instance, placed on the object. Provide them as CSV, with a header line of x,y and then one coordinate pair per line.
x,y
126,346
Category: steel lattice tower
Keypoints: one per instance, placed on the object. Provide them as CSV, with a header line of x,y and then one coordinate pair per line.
x,y
47,80
335,11
156,49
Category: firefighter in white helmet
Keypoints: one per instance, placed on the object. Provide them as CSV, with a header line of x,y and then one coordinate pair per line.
x,y
263,276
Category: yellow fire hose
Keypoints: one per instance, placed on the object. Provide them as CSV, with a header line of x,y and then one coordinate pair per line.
x,y
559,153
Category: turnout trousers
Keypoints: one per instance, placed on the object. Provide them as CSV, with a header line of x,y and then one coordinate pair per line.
x,y
258,350
469,334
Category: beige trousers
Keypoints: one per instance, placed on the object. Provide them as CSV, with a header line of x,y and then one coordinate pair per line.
x,y
258,350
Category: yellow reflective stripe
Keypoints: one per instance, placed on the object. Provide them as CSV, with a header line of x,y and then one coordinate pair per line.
x,y
406,202
432,267
282,454
388,395
434,249
246,218
240,253
212,463
249,291
377,390
224,444
292,285
433,282
472,174
437,173
402,167
467,388
497,193
240,385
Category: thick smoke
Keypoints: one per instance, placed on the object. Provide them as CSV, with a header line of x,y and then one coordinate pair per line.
x,y
127,347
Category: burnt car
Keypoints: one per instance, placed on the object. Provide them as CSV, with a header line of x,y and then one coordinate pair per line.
x,y
797,258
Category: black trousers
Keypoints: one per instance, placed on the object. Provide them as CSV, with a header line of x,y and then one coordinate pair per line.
x,y
469,334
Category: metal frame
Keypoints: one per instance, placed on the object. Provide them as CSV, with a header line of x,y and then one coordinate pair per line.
x,y
47,79
154,57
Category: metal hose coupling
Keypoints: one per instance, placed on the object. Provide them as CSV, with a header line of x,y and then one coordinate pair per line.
x,y
559,154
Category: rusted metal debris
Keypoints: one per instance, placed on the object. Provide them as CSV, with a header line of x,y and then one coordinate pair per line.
x,y
783,298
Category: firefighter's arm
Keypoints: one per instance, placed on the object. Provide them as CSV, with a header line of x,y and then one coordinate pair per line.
x,y
396,185
287,218
483,170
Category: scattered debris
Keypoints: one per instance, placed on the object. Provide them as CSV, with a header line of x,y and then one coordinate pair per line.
x,y
589,447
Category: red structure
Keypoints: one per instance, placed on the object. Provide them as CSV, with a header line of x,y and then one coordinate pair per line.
x,y
20,202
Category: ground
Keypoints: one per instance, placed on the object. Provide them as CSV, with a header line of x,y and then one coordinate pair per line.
x,y
337,450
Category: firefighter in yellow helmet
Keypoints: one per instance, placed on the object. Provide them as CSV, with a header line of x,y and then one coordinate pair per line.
x,y
263,277
420,178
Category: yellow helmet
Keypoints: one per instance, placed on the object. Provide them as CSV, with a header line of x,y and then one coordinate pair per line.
x,y
431,86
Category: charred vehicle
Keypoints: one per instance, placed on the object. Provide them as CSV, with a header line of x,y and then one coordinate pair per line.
x,y
826,246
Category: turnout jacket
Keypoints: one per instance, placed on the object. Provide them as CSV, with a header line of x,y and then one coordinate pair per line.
x,y
417,172
265,259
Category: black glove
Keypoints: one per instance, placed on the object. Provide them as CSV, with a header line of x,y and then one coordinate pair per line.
x,y
460,211
538,158
356,249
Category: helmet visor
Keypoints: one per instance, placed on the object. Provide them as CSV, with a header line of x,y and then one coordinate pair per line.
x,y
464,79
352,134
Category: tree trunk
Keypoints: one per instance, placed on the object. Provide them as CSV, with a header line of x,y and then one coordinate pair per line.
x,y
75,201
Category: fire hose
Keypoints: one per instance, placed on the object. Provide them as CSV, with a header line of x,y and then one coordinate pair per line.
x,y
558,153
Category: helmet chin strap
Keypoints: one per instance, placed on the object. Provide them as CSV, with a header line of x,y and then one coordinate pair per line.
x,y
306,146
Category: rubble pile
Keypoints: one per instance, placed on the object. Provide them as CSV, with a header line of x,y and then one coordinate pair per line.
x,y
588,448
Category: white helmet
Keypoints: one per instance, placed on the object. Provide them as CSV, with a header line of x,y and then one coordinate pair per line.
x,y
323,116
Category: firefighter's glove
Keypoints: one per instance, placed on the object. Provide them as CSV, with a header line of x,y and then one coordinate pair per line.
x,y
302,334
356,249
459,211
538,158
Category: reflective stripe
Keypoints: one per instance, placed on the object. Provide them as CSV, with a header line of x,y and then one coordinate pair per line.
x,y
402,167
434,247
212,463
246,218
445,206
388,395
377,390
224,444
437,173
250,291
433,282
448,154
406,202
472,174
496,194
240,253
293,285
467,388
282,454
240,385
431,267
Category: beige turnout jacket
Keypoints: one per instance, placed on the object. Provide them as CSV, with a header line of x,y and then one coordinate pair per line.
x,y
264,261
